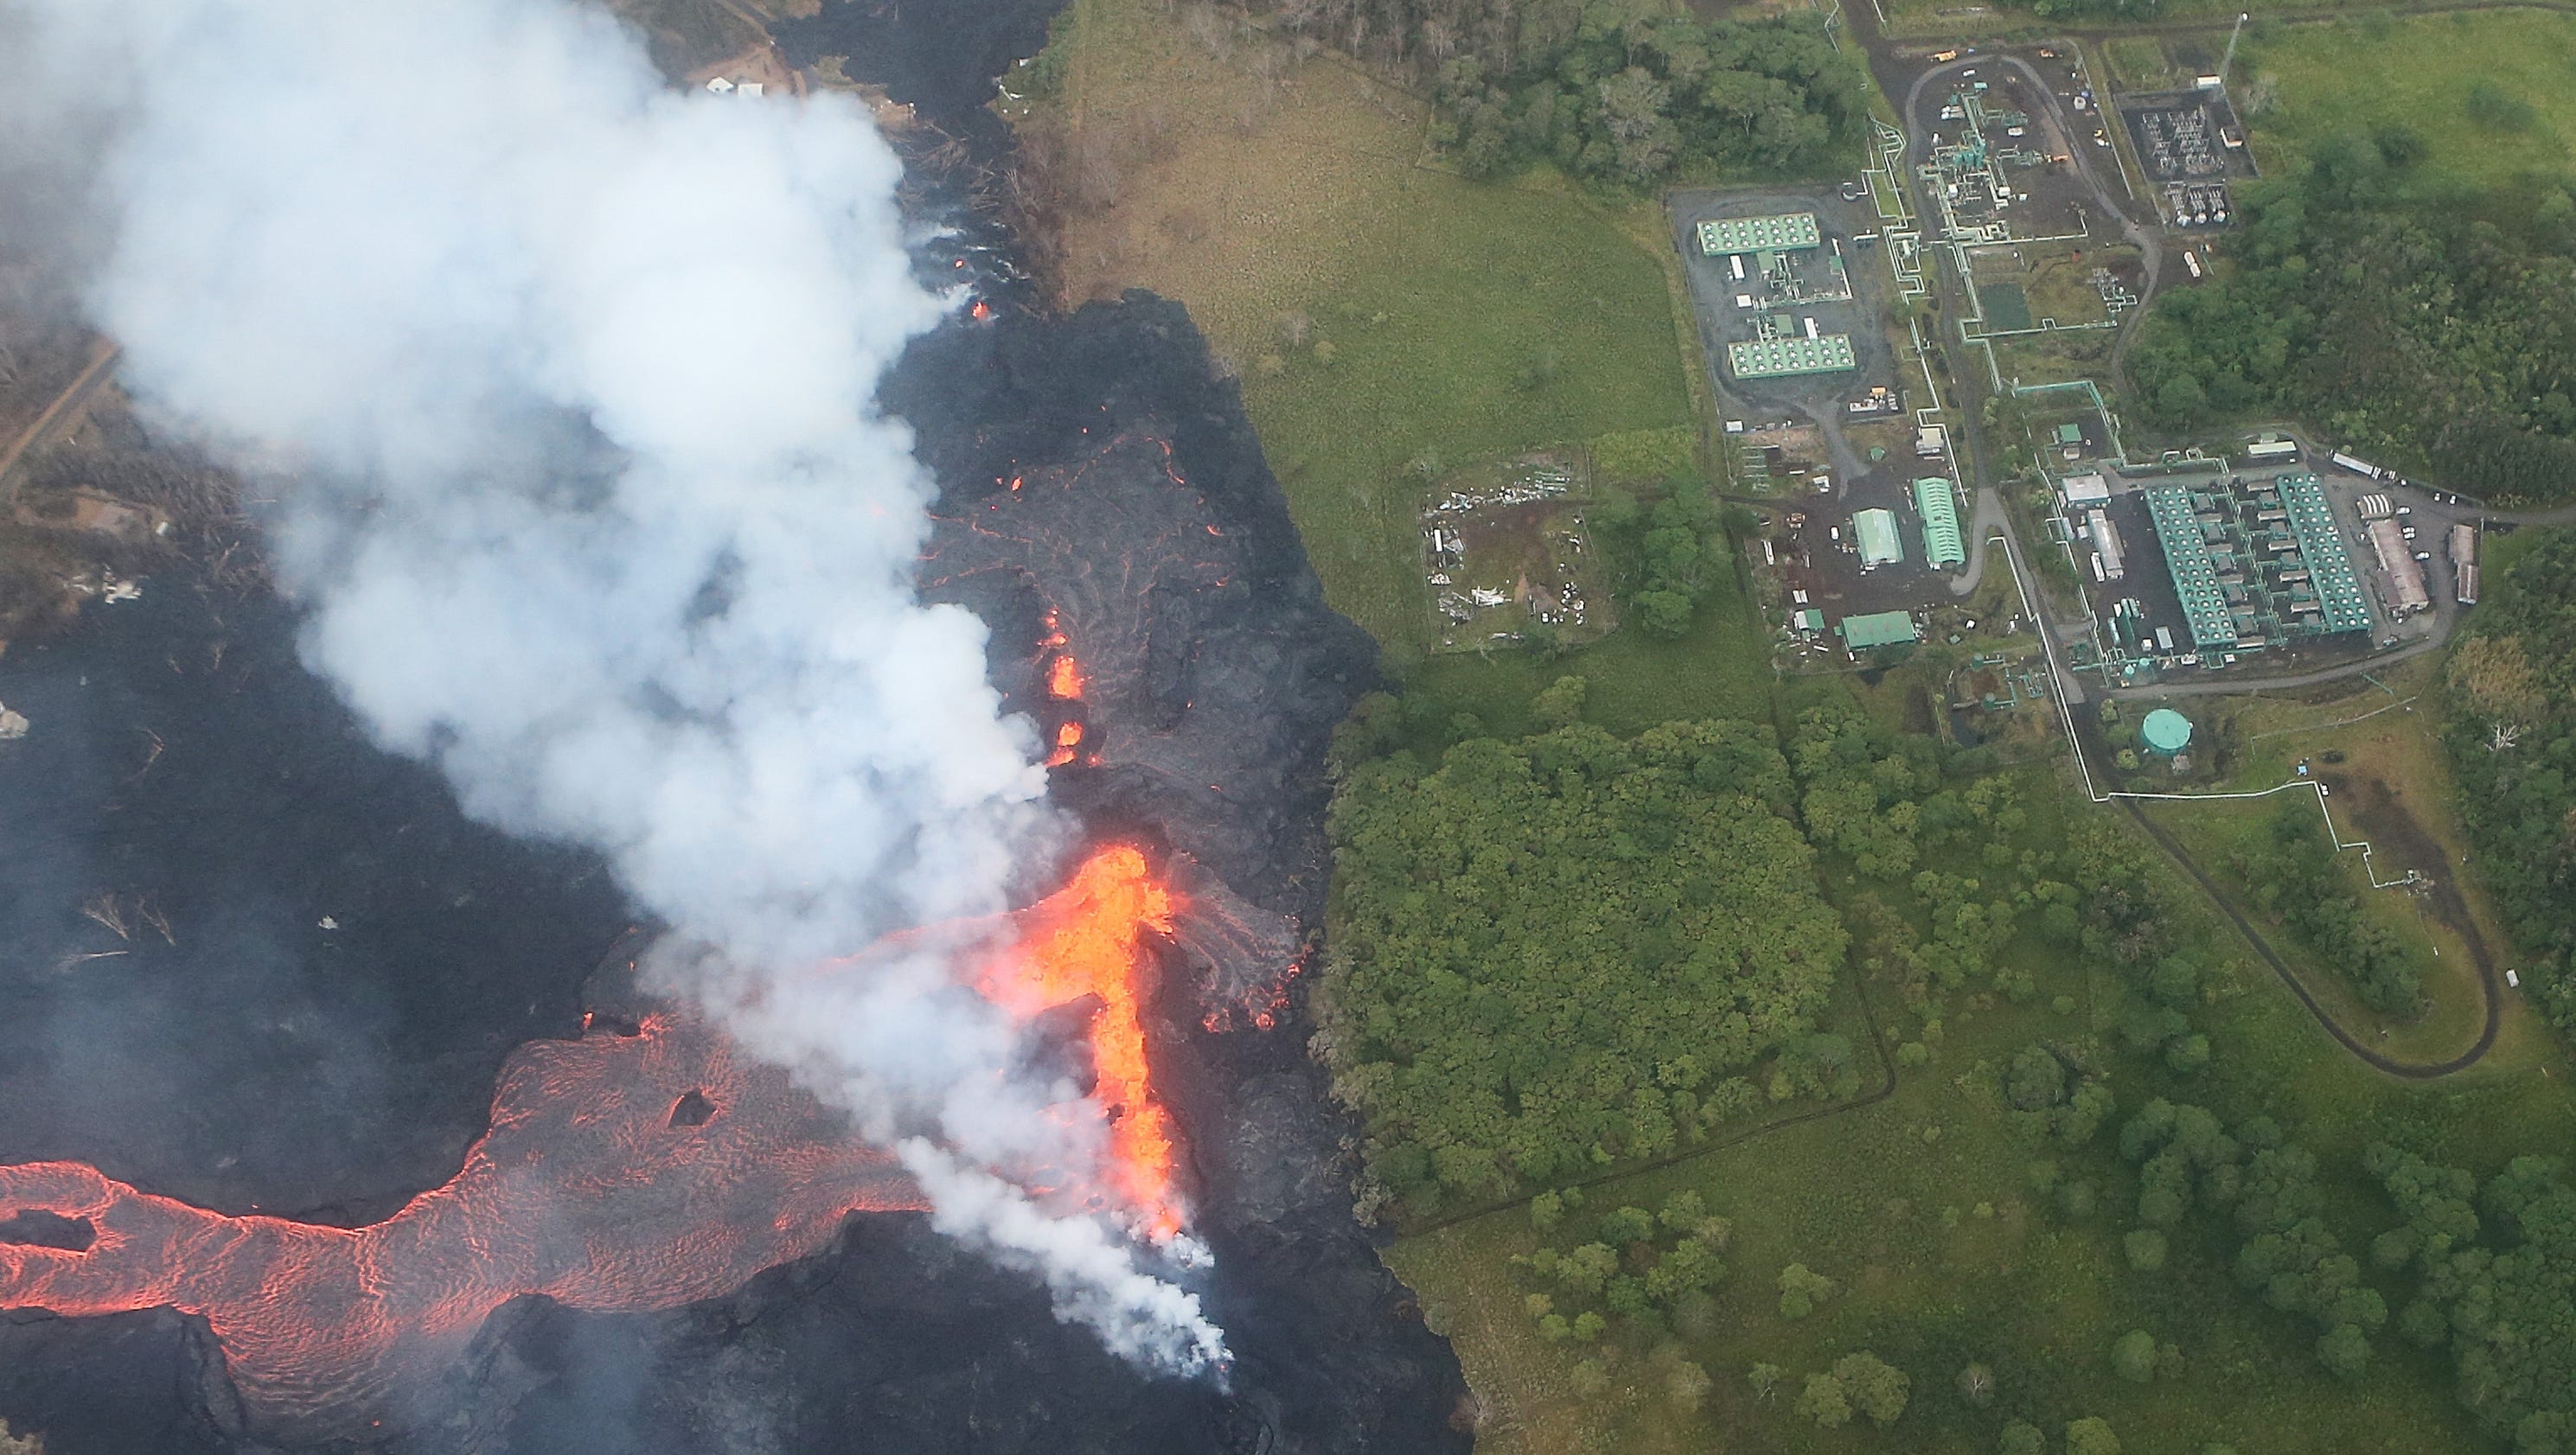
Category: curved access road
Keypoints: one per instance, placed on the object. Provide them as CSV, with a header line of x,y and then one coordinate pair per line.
x,y
2488,988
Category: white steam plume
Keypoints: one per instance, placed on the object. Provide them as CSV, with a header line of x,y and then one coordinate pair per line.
x,y
593,506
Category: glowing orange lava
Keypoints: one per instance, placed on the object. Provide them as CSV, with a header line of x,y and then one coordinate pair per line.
x,y
1086,940
1064,679
621,1172
629,1172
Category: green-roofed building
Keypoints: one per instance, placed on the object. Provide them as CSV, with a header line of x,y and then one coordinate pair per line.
x,y
2330,570
1791,230
2195,576
1879,629
1880,545
1941,543
1779,358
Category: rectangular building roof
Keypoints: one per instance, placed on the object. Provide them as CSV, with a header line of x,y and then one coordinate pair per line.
x,y
2092,489
2312,521
1779,357
1759,234
1880,629
1879,543
1941,543
2204,605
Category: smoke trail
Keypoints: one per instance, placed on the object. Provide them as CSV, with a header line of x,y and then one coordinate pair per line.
x,y
568,380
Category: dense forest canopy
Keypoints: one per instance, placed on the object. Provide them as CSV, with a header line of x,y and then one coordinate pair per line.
x,y
1568,950
2512,685
1613,89
2429,336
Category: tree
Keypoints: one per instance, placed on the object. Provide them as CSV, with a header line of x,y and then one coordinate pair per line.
x,y
2133,1356
2021,1437
2146,1250
1627,1225
1685,1386
2091,1436
2181,400
1875,1387
1801,1289
1664,613
1683,1212
1977,1385
1765,1379
1589,1377
2344,1352
1585,1269
1825,1401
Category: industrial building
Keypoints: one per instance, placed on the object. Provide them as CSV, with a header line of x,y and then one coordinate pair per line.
x,y
1780,358
2312,522
2106,544
2464,563
1880,545
2195,575
2256,563
2087,489
1941,544
1784,233
1879,629
2405,573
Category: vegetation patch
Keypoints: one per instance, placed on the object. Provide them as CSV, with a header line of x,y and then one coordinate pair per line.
x,y
2489,96
2511,684
1644,100
2429,338
1569,951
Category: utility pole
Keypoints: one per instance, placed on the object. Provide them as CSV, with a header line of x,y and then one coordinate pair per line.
x,y
2241,18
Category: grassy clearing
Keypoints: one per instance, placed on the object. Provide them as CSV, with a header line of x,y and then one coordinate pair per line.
x,y
1722,669
1386,316
2392,733
2309,82
1887,1198
2497,553
2139,63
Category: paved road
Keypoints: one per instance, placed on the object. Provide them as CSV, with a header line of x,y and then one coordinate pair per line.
x,y
2492,992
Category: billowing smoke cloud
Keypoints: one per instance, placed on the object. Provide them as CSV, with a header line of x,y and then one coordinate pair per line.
x,y
566,379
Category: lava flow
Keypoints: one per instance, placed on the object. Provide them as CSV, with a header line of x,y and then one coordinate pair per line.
x,y
1064,684
628,1172
1085,940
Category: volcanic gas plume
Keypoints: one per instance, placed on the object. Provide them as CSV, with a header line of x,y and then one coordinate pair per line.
x,y
624,1170
564,384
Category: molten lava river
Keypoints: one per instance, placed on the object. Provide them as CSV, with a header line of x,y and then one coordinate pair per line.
x,y
632,1172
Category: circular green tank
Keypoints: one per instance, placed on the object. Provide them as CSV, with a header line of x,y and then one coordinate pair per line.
x,y
2167,731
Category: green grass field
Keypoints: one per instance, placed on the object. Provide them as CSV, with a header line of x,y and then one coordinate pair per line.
x,y
1473,321
1392,322
2323,79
